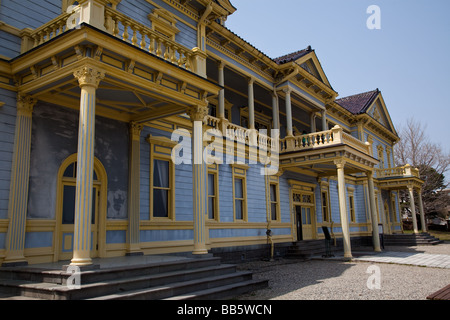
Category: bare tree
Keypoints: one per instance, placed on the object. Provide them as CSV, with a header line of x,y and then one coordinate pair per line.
x,y
416,149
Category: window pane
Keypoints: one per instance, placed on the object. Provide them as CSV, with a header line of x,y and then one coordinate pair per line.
x,y
70,171
238,190
211,208
94,205
273,193
304,221
239,209
68,216
273,209
161,174
160,203
211,185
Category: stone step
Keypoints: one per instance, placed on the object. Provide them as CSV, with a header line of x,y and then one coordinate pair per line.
x,y
410,239
224,292
180,288
187,278
52,291
33,274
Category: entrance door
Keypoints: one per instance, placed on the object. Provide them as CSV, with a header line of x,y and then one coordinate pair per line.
x,y
68,222
298,221
304,223
307,227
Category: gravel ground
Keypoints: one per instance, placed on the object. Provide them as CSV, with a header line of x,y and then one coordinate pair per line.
x,y
339,280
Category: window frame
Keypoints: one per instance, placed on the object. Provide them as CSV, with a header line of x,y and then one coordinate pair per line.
x,y
274,181
351,204
161,150
214,170
239,171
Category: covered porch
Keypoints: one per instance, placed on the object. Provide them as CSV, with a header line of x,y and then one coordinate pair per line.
x,y
99,73
329,154
405,178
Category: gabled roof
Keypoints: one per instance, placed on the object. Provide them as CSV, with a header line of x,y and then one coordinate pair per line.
x,y
292,56
308,60
358,103
370,103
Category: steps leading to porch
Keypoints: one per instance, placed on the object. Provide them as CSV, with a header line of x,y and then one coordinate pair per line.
x,y
410,239
203,278
308,248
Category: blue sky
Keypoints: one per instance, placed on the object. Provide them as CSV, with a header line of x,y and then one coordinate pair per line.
x,y
408,59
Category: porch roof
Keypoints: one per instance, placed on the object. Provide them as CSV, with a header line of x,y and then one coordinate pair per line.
x,y
139,86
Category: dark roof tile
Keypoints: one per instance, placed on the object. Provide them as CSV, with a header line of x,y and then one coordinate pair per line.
x,y
292,56
358,103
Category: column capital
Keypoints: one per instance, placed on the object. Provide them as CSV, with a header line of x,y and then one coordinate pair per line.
x,y
135,130
221,64
340,163
198,113
25,104
89,75
287,90
250,81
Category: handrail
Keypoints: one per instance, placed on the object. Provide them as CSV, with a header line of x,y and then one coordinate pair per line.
x,y
327,138
404,171
122,27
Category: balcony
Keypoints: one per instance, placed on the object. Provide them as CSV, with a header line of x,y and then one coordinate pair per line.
x,y
315,152
121,27
399,178
147,76
323,139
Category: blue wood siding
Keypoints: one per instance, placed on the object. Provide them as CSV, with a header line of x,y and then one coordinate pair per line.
x,y
7,128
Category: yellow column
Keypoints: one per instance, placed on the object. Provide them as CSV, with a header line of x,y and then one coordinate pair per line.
x,y
373,214
413,208
422,212
324,120
133,235
340,164
289,130
221,113
18,194
89,78
199,179
251,104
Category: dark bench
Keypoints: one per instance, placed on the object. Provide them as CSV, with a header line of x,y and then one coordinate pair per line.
x,y
443,294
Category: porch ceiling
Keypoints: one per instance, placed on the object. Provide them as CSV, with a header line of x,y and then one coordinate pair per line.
x,y
138,86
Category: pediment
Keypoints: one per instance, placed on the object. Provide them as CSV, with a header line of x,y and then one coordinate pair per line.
x,y
311,63
378,111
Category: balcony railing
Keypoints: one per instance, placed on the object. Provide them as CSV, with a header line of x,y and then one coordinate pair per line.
x,y
243,135
398,172
120,26
328,138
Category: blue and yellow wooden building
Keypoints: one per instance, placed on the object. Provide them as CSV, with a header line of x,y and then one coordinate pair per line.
x,y
107,108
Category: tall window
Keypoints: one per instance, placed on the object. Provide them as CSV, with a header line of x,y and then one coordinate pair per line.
x,y
351,201
162,178
161,188
239,200
325,209
212,196
240,191
274,212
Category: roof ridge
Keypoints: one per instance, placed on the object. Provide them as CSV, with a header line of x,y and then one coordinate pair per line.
x,y
358,103
291,56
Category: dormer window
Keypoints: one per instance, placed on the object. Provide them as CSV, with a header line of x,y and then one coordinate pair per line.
x,y
164,23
